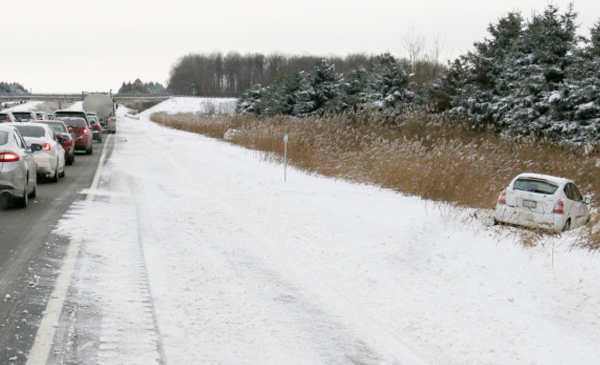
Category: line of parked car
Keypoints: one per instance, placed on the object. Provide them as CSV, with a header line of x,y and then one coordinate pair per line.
x,y
35,146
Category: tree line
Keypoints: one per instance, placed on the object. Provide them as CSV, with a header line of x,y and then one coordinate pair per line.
x,y
12,88
232,74
530,77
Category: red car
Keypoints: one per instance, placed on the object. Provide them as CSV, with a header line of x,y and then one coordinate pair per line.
x,y
64,137
79,129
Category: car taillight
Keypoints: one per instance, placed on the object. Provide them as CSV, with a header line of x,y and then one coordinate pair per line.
x,y
502,197
70,128
9,157
86,131
96,127
559,207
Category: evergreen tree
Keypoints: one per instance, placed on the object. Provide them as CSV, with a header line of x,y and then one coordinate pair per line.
x,y
319,91
388,86
354,89
250,101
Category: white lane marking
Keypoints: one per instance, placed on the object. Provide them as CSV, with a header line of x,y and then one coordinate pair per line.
x,y
45,335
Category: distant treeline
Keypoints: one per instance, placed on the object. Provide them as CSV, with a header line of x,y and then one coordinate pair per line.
x,y
12,88
232,74
141,88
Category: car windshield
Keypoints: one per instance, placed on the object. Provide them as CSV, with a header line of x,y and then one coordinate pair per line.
x,y
3,138
535,186
31,131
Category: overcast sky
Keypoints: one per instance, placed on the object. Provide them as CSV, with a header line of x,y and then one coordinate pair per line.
x,y
69,46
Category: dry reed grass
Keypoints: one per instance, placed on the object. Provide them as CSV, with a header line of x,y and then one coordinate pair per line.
x,y
416,154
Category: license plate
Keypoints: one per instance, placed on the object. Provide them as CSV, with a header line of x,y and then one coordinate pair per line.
x,y
529,204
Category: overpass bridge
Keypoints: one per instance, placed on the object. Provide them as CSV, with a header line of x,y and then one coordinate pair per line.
x,y
71,98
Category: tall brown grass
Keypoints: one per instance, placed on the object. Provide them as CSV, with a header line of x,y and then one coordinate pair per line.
x,y
416,154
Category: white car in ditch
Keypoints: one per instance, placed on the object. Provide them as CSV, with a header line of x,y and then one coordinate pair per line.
x,y
542,201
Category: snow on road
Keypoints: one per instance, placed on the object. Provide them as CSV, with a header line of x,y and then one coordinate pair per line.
x,y
196,251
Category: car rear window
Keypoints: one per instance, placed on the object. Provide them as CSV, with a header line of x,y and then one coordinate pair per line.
x,y
3,138
31,131
70,114
57,127
535,186
4,117
75,122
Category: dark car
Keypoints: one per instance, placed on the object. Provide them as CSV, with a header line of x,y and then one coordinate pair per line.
x,y
64,137
80,131
95,127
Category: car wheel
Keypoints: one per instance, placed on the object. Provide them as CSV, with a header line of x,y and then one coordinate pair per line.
x,y
56,174
567,225
89,151
69,160
33,193
22,202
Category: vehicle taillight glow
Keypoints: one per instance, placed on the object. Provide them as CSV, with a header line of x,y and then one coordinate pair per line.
x,y
9,157
96,127
46,147
559,207
502,197
86,131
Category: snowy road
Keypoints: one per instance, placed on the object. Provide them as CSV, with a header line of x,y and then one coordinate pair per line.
x,y
194,251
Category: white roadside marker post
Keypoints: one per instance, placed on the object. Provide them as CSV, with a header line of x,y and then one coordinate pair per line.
x,y
285,142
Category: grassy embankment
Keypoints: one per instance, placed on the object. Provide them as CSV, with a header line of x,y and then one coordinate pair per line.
x,y
428,157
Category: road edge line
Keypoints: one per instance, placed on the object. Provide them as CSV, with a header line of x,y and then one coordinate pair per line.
x,y
44,339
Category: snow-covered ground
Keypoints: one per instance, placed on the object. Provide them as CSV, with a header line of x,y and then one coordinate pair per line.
x,y
195,251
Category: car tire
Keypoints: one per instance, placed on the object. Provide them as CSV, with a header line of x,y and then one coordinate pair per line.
x,y
89,151
69,160
56,176
22,202
567,225
33,193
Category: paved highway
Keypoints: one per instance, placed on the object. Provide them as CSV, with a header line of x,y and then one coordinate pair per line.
x,y
31,255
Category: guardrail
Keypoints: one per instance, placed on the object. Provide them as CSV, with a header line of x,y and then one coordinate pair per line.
x,y
81,96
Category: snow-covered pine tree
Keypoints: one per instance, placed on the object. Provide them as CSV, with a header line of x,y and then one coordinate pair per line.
x,y
578,118
249,102
388,85
353,90
319,92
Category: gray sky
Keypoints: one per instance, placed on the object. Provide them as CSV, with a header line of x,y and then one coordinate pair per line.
x,y
69,46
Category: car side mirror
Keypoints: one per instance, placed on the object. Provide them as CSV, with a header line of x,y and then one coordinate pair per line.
x,y
587,199
36,147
